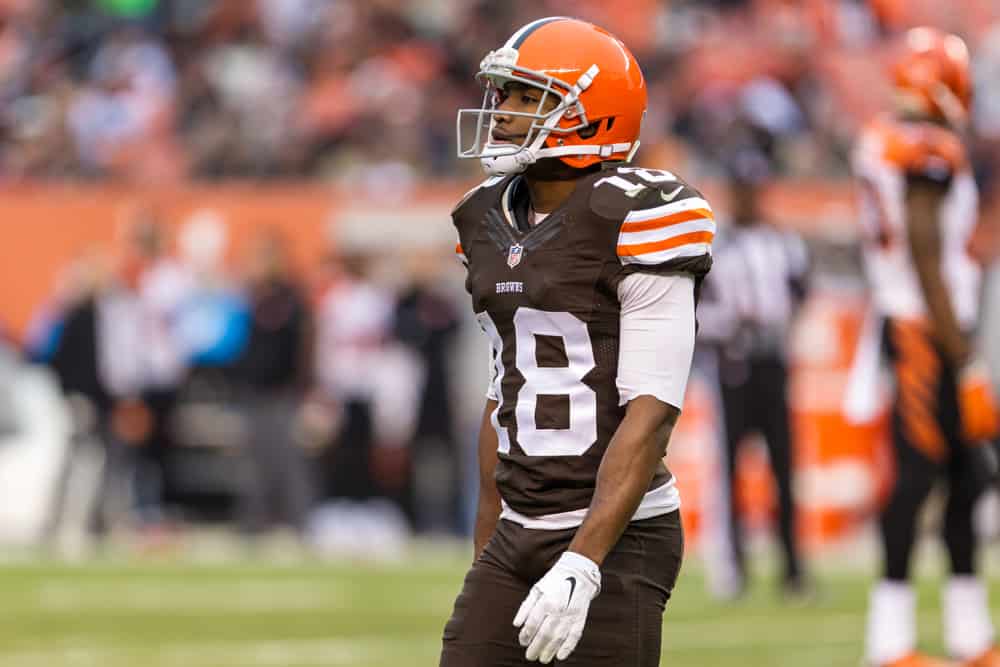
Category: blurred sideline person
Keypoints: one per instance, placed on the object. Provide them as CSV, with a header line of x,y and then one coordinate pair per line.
x,y
360,416
353,325
161,285
919,207
271,374
212,322
426,322
748,305
97,359
583,273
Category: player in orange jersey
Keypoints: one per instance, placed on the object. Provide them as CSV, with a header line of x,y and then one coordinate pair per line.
x,y
919,208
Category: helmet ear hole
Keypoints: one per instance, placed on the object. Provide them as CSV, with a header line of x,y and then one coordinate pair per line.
x,y
590,130
611,123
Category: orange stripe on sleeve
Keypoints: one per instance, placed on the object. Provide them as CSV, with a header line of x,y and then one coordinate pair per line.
x,y
666,244
667,220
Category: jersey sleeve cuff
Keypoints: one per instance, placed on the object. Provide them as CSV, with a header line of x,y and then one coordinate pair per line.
x,y
659,390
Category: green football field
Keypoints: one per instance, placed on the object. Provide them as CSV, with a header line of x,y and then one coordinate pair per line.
x,y
108,614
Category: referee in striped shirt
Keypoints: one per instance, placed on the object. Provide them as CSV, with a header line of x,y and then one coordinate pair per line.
x,y
757,283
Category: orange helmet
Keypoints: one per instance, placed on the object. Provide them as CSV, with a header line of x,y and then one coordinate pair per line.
x,y
600,90
931,71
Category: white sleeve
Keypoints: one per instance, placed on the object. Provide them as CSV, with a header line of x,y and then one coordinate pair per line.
x,y
657,336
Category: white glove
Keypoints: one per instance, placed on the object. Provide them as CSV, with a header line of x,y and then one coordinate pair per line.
x,y
555,611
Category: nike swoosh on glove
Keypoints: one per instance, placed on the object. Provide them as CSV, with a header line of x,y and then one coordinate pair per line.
x,y
977,404
552,617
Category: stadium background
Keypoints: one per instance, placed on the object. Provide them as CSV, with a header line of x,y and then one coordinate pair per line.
x,y
332,121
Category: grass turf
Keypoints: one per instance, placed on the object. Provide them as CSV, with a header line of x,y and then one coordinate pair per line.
x,y
111,614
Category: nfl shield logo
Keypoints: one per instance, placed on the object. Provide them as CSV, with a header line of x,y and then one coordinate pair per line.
x,y
514,255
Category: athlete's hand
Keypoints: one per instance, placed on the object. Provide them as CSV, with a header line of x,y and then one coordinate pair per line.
x,y
552,617
977,404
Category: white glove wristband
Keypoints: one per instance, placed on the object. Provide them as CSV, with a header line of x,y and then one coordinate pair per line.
x,y
575,561
553,615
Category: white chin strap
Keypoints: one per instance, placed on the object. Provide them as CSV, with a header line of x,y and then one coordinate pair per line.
x,y
515,163
502,165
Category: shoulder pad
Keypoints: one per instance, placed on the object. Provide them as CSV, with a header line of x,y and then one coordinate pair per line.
x,y
923,149
664,223
485,185
618,192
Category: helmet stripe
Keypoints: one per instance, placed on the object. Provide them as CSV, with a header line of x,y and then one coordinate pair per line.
x,y
517,39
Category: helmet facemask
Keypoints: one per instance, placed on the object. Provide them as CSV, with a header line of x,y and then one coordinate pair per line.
x,y
566,117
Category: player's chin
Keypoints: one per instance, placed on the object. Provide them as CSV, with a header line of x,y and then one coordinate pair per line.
x,y
507,141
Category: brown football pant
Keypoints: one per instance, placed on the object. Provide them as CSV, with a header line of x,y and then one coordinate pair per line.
x,y
625,620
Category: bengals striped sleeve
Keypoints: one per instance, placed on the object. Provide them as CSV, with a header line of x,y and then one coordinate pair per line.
x,y
657,235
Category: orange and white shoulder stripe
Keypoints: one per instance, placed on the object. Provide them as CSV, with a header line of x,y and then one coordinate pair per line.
x,y
656,235
460,255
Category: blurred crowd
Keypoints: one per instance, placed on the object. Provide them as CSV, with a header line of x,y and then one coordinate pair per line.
x,y
248,392
365,91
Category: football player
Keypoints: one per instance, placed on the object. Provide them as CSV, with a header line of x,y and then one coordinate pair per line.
x,y
919,208
583,272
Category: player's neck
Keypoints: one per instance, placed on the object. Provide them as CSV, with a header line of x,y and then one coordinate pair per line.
x,y
547,196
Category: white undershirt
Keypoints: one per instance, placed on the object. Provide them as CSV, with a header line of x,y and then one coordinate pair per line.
x,y
656,338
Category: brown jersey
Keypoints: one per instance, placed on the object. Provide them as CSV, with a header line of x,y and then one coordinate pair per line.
x,y
546,296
